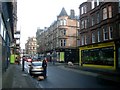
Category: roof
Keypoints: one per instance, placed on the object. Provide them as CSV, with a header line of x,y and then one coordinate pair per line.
x,y
63,12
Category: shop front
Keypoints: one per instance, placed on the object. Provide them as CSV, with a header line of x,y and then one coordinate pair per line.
x,y
101,55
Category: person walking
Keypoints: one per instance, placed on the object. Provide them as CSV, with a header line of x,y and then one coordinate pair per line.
x,y
54,56
44,65
23,63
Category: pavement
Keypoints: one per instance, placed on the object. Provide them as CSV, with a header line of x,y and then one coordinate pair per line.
x,y
14,77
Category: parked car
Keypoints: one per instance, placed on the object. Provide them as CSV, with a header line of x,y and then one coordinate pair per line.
x,y
29,59
36,59
36,68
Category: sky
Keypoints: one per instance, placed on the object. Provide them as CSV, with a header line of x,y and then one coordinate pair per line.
x,y
40,13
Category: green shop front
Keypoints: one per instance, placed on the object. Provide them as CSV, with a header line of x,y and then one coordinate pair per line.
x,y
101,55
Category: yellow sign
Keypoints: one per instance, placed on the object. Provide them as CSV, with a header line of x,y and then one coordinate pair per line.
x,y
61,56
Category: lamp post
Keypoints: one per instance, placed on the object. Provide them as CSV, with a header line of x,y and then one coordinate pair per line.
x,y
23,61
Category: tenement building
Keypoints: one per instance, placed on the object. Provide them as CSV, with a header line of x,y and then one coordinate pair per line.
x,y
8,23
31,46
100,34
59,38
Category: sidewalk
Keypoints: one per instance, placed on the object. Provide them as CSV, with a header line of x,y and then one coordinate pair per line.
x,y
106,76
14,77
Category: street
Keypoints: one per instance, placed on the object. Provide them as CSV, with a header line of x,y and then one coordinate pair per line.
x,y
61,77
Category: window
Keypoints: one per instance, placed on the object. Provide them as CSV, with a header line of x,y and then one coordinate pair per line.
x,y
93,22
98,56
65,22
2,28
4,33
33,47
83,9
119,3
97,2
119,6
61,22
93,4
98,36
85,23
82,24
110,32
85,39
105,33
119,28
110,11
98,17
104,13
88,22
82,40
64,32
64,42
93,37
0,23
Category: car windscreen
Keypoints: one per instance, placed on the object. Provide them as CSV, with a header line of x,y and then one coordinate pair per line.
x,y
37,64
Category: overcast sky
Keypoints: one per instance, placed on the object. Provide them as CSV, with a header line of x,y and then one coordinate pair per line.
x,y
41,13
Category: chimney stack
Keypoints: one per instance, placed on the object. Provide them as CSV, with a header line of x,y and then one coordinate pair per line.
x,y
72,13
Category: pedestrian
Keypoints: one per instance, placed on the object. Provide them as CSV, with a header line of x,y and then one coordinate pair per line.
x,y
54,56
44,65
23,63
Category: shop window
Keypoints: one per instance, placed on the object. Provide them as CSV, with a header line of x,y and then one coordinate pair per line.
x,y
99,56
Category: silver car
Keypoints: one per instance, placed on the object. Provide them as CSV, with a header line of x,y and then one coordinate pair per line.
x,y
36,68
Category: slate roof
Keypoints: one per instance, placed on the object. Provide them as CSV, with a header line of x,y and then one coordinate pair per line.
x,y
63,12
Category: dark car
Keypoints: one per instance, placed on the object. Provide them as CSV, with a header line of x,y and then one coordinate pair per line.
x,y
36,68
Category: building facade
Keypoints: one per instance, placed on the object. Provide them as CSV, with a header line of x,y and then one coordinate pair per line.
x,y
7,28
99,34
31,46
60,37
